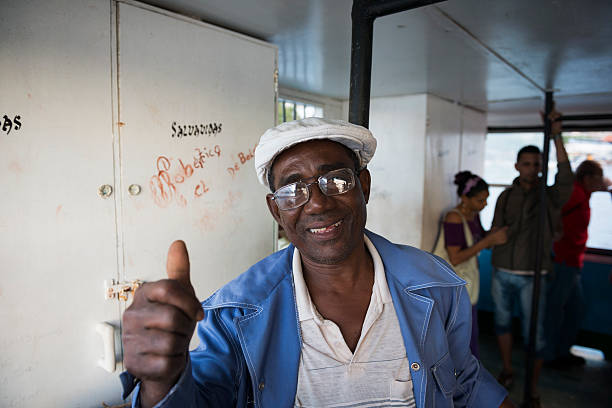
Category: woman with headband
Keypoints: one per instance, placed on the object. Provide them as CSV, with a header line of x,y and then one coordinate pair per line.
x,y
462,238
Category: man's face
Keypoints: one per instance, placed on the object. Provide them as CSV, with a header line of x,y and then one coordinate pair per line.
x,y
326,230
529,166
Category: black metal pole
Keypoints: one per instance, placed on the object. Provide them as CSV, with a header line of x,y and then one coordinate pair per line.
x,y
602,127
586,117
363,14
379,8
537,277
361,64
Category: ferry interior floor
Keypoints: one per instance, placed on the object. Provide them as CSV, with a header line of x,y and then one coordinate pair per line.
x,y
588,385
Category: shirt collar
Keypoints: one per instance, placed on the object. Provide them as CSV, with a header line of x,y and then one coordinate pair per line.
x,y
307,310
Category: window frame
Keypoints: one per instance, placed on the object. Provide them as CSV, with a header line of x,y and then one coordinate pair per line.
x,y
319,109
593,251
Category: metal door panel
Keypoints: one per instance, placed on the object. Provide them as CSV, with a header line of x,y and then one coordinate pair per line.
x,y
57,235
194,100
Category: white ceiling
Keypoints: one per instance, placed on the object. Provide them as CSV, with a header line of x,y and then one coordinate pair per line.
x,y
494,55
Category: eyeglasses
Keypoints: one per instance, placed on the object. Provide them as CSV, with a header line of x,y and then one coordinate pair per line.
x,y
297,194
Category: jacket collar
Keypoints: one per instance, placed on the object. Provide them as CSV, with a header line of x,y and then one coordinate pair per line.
x,y
258,283
410,268
267,295
405,264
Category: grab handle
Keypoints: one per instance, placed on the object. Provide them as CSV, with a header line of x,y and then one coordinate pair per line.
x,y
107,332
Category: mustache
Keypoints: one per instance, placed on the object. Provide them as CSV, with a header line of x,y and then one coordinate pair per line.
x,y
319,219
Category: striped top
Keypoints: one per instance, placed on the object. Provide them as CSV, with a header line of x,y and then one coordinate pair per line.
x,y
330,375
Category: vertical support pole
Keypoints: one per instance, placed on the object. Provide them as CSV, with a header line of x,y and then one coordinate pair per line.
x,y
361,64
537,277
363,14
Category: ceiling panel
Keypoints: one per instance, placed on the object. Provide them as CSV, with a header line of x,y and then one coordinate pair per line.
x,y
481,53
565,45
421,51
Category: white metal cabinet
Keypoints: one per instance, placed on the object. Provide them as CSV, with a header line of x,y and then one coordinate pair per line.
x,y
57,236
87,121
191,117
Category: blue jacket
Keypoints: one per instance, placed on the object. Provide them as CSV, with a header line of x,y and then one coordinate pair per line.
x,y
250,338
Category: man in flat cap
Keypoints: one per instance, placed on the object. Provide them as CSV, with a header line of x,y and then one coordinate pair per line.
x,y
340,318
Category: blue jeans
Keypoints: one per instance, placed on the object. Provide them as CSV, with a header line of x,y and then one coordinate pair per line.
x,y
565,307
505,289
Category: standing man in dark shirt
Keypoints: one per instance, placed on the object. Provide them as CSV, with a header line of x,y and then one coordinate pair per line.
x,y
565,300
514,262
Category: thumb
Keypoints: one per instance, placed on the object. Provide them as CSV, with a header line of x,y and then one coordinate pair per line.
x,y
177,265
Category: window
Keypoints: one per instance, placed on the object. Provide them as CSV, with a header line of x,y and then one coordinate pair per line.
x,y
500,156
289,110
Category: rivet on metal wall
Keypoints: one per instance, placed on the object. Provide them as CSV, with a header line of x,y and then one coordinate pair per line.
x,y
105,190
134,189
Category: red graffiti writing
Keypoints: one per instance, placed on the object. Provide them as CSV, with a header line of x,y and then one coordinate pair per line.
x,y
173,172
161,185
184,172
203,154
243,157
246,157
200,189
233,170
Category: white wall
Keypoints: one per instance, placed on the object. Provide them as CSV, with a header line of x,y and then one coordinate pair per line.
x,y
455,141
442,153
396,201
423,141
473,138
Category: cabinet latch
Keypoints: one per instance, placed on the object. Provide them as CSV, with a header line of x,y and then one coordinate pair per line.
x,y
120,290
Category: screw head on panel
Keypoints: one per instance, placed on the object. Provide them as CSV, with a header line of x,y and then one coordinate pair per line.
x,y
105,190
134,189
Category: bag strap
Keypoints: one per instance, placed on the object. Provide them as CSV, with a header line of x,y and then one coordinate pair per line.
x,y
467,234
440,226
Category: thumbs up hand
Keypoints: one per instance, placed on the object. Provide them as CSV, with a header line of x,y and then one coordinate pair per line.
x,y
177,265
158,326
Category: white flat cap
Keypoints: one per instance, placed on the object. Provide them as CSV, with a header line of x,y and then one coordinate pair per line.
x,y
279,138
